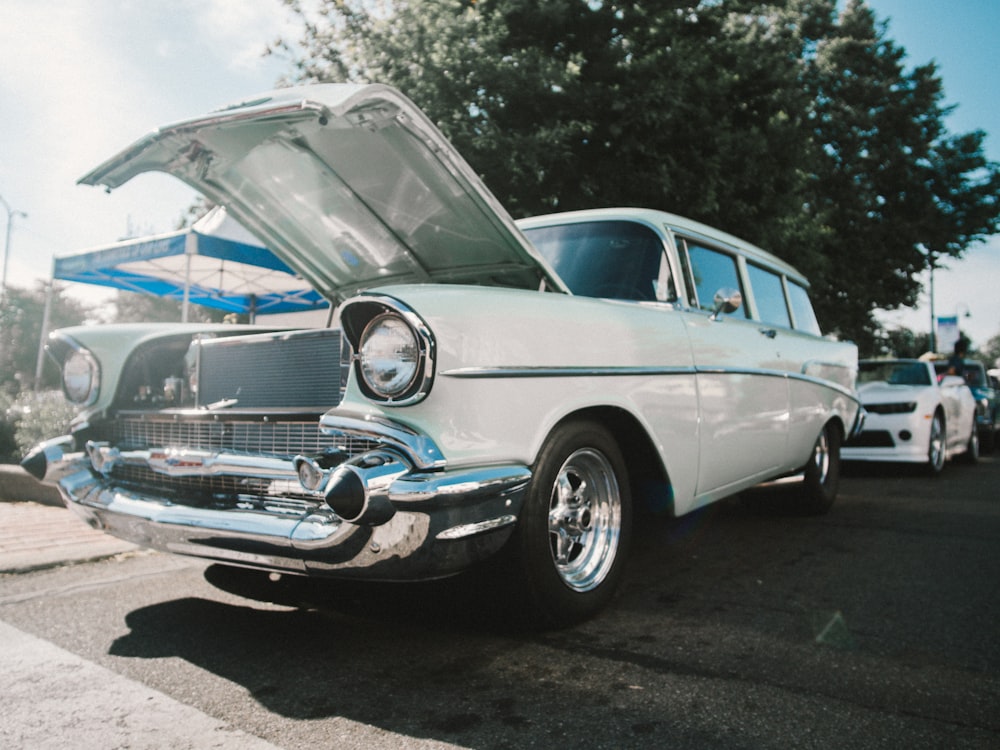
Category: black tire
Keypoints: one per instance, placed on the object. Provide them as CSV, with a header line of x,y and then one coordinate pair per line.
x,y
936,450
971,454
566,557
988,440
822,473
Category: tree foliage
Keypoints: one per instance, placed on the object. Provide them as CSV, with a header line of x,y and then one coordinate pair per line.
x,y
902,343
21,320
783,122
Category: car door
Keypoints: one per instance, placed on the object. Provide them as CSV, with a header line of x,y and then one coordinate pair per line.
x,y
743,396
781,304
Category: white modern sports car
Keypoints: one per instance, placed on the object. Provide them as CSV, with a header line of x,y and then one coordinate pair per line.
x,y
913,415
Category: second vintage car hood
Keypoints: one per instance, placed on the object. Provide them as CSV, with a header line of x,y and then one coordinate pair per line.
x,y
351,185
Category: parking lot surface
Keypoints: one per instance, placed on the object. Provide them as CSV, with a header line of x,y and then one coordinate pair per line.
x,y
745,626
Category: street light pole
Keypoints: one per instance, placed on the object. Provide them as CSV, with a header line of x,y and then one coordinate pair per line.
x,y
11,213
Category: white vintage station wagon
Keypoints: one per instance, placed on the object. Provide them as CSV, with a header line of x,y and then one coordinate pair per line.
x,y
488,390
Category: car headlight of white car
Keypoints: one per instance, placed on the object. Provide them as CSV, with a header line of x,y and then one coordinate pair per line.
x,y
394,360
81,378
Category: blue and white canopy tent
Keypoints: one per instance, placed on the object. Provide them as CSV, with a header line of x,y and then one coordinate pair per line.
x,y
216,263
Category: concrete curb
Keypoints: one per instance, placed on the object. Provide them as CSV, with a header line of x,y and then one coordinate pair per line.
x,y
17,485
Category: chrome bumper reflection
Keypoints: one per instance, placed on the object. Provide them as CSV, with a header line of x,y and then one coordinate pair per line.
x,y
441,521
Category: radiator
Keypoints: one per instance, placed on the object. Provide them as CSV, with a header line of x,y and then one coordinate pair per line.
x,y
300,369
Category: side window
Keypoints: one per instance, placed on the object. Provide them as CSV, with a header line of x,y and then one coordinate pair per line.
x,y
769,294
802,309
709,271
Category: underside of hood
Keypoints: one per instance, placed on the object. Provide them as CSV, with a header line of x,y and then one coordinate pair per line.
x,y
351,185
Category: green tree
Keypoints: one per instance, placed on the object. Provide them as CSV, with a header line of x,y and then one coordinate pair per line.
x,y
21,319
782,122
565,104
132,307
894,189
899,342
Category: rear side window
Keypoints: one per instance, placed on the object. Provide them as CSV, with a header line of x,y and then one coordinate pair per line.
x,y
769,294
710,271
802,309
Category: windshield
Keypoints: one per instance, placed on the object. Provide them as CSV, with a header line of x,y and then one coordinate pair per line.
x,y
894,373
611,259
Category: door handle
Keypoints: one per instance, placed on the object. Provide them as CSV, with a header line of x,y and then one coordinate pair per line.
x,y
769,332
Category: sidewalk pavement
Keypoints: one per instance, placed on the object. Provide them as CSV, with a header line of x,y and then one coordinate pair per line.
x,y
37,531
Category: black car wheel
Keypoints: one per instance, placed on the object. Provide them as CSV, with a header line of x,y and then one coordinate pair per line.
x,y
569,548
822,473
935,445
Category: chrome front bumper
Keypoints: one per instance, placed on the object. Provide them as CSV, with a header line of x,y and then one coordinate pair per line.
x,y
411,523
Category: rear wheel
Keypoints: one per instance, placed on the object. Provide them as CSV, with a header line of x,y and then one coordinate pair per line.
x,y
822,473
568,552
987,441
971,455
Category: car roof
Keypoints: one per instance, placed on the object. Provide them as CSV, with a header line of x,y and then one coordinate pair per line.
x,y
676,223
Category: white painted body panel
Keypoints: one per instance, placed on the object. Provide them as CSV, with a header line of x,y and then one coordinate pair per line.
x,y
715,397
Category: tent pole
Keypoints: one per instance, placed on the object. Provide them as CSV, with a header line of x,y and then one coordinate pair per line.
x,y
187,276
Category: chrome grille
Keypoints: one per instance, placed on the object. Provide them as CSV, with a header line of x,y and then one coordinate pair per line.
x,y
298,369
255,437
270,437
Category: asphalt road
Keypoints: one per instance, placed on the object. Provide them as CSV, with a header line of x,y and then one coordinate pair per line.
x,y
745,626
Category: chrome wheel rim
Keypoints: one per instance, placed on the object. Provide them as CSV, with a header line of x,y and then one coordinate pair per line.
x,y
936,450
821,458
584,519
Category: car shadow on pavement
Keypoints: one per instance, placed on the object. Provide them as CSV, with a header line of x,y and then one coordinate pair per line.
x,y
873,600
400,675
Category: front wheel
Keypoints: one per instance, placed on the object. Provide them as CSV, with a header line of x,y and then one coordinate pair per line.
x,y
568,551
822,473
935,445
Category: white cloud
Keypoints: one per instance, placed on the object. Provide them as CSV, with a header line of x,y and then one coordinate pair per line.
x,y
81,80
243,29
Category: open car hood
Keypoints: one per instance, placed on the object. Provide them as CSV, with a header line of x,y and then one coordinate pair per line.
x,y
351,185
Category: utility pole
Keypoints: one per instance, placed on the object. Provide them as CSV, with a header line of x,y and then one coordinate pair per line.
x,y
11,213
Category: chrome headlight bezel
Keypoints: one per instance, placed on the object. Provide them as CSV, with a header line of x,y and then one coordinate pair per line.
x,y
394,358
81,377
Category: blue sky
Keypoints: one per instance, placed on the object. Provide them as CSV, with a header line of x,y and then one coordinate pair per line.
x,y
80,79
961,37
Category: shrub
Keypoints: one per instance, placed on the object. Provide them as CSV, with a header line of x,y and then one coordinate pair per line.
x,y
29,418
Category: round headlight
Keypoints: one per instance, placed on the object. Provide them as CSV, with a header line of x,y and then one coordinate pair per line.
x,y
80,378
389,357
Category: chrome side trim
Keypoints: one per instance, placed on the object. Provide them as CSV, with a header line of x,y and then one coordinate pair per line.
x,y
562,372
583,372
471,529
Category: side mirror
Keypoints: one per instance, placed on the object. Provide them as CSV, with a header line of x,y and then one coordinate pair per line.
x,y
726,301
952,381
